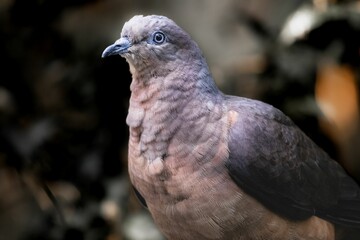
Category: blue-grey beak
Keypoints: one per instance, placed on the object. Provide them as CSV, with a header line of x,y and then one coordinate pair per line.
x,y
121,46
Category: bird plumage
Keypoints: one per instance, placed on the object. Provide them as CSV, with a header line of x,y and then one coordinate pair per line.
x,y
212,166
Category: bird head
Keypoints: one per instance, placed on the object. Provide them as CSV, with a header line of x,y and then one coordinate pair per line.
x,y
153,41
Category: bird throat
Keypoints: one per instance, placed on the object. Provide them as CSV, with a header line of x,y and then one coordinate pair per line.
x,y
160,108
153,116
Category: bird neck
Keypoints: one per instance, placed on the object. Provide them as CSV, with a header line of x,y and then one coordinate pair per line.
x,y
163,97
172,84
160,107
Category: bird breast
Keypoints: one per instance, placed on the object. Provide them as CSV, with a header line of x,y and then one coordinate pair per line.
x,y
186,186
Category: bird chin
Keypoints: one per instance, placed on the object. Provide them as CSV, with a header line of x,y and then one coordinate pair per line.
x,y
131,62
131,59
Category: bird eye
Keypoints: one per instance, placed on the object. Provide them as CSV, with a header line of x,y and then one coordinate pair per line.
x,y
159,38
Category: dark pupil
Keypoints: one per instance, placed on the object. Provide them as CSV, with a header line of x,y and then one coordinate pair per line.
x,y
158,37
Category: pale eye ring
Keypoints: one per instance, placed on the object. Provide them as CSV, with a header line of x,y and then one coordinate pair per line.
x,y
159,38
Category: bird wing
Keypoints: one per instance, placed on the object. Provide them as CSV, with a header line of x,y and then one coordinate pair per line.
x,y
140,198
275,162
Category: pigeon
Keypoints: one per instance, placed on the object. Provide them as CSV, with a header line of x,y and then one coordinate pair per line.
x,y
213,166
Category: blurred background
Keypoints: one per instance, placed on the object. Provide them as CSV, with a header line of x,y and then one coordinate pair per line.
x,y
63,137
